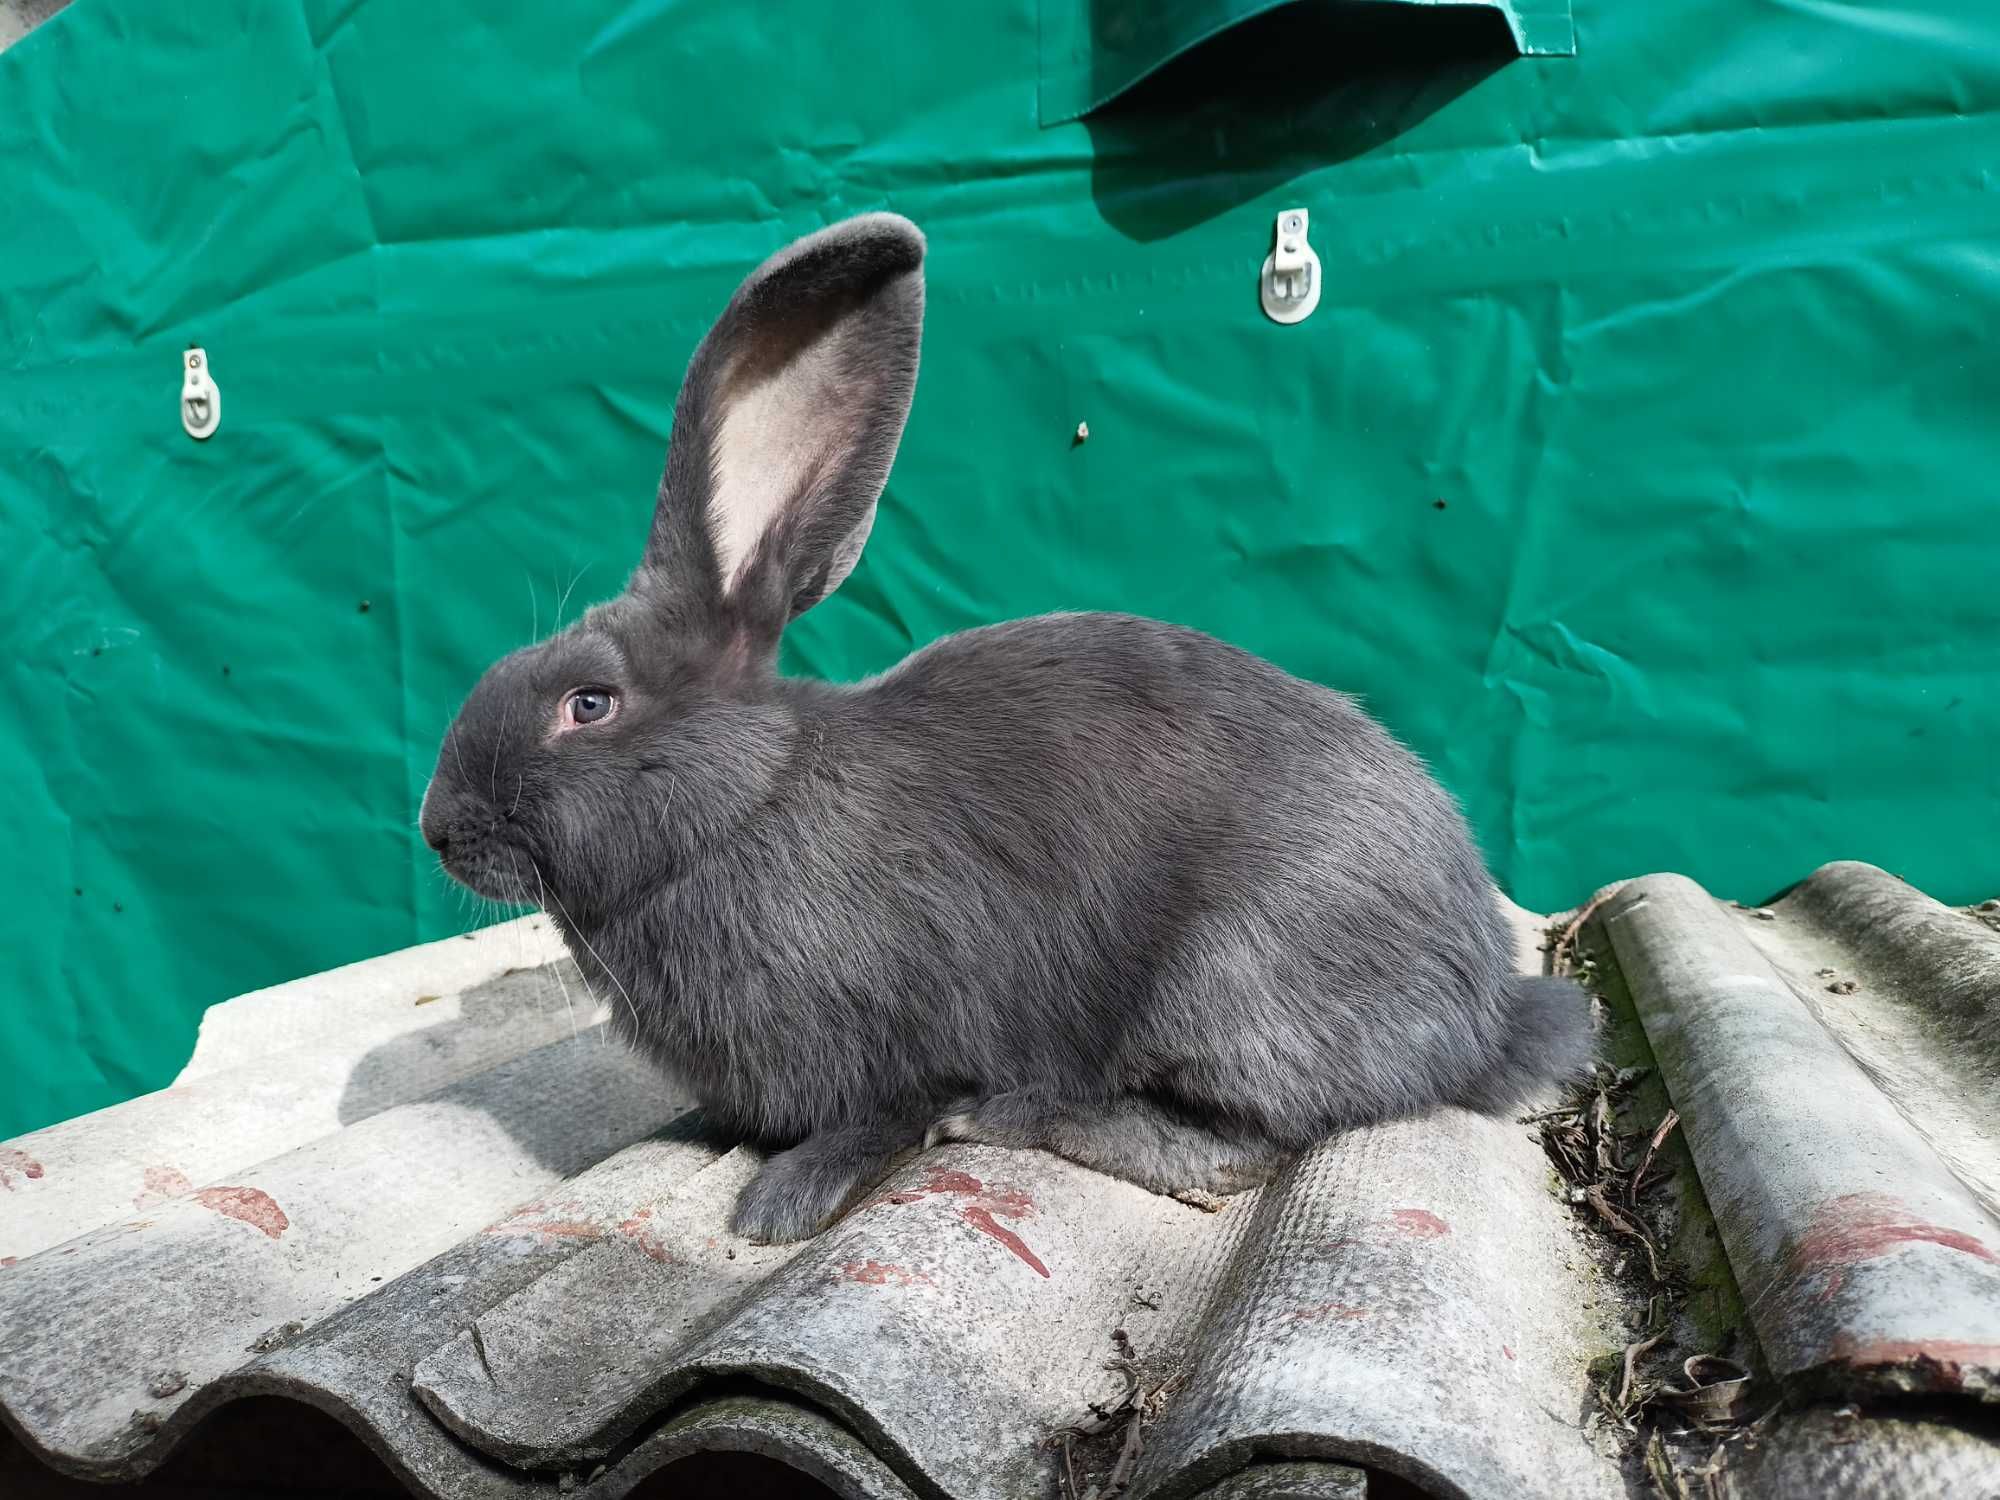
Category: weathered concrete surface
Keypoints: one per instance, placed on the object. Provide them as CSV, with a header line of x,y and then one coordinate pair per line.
x,y
1868,1265
103,1338
1399,1299
1400,1296
281,1067
1942,960
1830,1452
500,1254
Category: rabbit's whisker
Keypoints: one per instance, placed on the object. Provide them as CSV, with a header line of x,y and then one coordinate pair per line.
x,y
460,754
493,777
563,600
542,888
570,924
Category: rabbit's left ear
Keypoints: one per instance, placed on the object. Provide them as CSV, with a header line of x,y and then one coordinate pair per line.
x,y
786,426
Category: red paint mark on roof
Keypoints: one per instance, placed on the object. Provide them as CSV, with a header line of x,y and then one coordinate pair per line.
x,y
252,1206
980,1217
1941,1362
1320,1310
1506,1351
639,1230
881,1273
559,1229
12,1160
158,1183
1420,1223
989,1205
9,1260
939,1181
558,1221
1858,1227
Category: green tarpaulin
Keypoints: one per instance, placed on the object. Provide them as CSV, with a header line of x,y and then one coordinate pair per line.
x,y
1637,466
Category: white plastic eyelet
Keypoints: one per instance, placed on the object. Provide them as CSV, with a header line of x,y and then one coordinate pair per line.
x,y
201,402
1289,285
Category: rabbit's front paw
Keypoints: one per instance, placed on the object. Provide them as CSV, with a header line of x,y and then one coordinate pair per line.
x,y
803,1190
789,1200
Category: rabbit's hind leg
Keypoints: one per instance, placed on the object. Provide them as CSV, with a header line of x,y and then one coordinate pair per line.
x,y
1128,1136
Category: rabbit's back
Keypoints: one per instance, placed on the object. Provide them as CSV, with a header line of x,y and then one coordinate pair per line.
x,y
1302,916
1097,853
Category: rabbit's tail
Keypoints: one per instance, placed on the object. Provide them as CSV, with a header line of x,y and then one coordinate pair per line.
x,y
1551,1043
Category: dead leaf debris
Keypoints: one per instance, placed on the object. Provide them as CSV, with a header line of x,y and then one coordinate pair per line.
x,y
1664,1404
1098,1453
276,1338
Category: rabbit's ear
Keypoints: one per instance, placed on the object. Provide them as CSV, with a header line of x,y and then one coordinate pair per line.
x,y
787,424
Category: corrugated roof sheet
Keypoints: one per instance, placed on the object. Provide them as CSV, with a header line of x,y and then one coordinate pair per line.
x,y
427,1195
19,17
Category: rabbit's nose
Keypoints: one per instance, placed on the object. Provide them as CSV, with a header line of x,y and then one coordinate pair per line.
x,y
436,835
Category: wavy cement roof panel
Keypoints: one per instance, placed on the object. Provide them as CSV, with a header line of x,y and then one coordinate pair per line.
x,y
1849,1187
428,1195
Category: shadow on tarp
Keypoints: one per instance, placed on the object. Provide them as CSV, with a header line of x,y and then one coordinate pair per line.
x,y
1302,87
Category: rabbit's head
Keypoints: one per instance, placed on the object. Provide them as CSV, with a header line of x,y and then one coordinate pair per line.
x,y
616,750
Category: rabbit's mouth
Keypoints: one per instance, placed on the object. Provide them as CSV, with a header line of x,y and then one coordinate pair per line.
x,y
478,846
490,868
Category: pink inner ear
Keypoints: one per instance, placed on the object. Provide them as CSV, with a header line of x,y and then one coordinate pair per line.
x,y
790,415
788,422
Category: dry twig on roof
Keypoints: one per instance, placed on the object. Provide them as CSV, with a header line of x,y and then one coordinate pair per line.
x,y
1664,1129
1140,1405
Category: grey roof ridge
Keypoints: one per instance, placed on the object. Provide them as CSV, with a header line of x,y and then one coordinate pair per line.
x,y
1863,1257
1934,955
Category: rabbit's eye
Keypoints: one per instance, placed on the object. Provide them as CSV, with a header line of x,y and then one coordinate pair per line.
x,y
588,706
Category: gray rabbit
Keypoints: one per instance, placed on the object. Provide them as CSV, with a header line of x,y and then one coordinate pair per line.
x,y
1088,883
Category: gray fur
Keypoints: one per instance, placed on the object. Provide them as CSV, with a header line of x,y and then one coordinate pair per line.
x,y
1090,883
